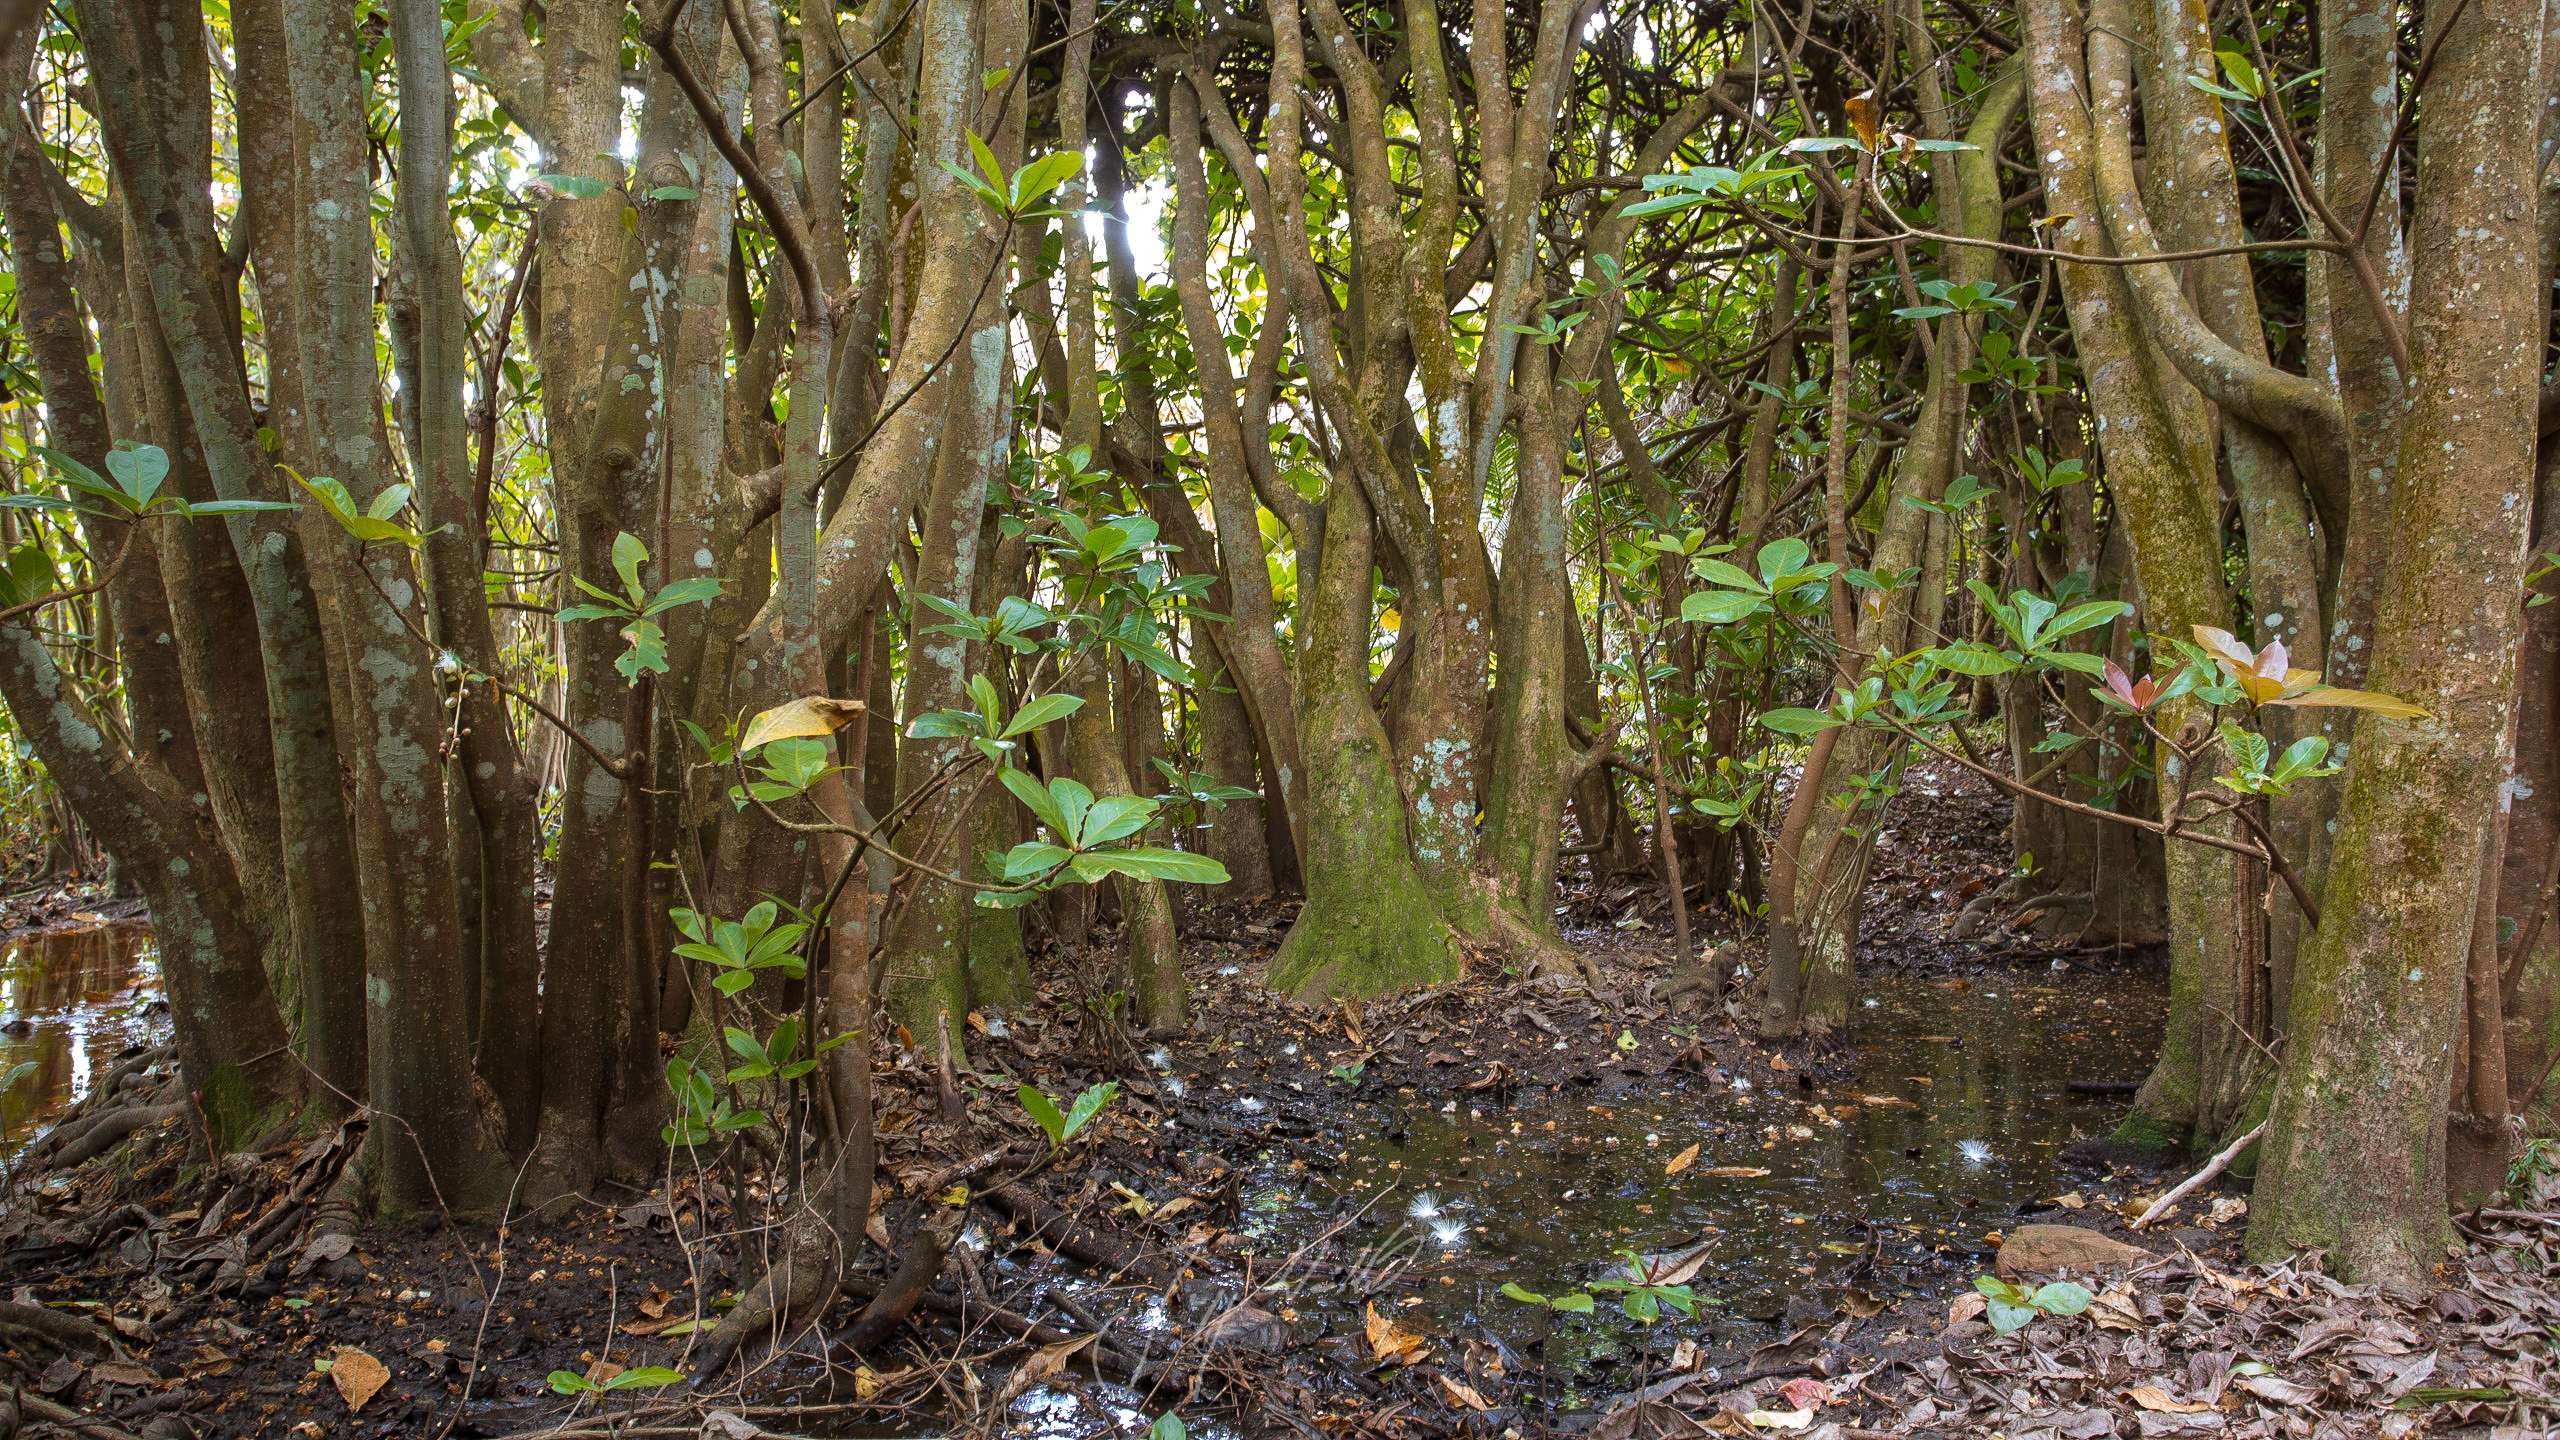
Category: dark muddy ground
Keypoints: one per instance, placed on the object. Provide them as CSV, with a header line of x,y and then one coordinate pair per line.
x,y
1302,1222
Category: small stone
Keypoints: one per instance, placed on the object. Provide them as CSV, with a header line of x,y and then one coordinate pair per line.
x,y
2045,1249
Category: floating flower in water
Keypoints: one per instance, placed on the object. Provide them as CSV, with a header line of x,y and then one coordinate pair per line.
x,y
1741,1084
1228,970
1449,1233
1871,1002
1248,1104
997,1028
1289,1049
1174,1087
1974,1151
1161,1058
1425,1206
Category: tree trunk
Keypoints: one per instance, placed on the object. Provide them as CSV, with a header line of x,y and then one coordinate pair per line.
x,y
2354,1155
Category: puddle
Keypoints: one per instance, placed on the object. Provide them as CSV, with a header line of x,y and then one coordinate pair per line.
x,y
71,1001
1951,1126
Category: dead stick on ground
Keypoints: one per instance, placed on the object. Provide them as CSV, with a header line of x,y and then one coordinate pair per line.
x,y
2212,1167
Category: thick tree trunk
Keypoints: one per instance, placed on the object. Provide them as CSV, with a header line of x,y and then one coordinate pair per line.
x,y
2354,1154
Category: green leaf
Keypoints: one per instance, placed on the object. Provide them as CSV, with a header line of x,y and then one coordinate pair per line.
x,y
1971,657
1044,1113
138,470
2085,616
1043,175
1088,1105
1040,710
1578,1304
1793,720
2062,1297
192,509
1038,800
648,652
1152,862
1114,817
1719,607
576,187
695,591
650,1375
388,503
628,556
1526,1297
2007,1318
1783,557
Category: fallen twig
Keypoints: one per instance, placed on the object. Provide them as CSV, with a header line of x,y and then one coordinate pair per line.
x,y
2192,1183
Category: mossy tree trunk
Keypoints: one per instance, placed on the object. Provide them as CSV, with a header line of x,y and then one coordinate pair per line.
x,y
2354,1156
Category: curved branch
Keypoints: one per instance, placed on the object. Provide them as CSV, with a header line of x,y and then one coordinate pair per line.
x,y
2304,414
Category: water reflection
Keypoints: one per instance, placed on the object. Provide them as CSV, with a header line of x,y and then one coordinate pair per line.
x,y
1952,1126
71,1001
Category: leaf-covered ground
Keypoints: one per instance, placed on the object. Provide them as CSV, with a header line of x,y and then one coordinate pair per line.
x,y
1139,1271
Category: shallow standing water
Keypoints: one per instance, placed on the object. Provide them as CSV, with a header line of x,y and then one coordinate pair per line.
x,y
1949,1130
71,1002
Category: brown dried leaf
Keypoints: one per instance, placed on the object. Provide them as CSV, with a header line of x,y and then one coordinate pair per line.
x,y
1464,1394
2115,1309
1968,1306
1390,1341
125,1372
2281,1391
1866,116
1681,1161
1678,1268
357,1375
2327,1332
2152,1397
1734,1172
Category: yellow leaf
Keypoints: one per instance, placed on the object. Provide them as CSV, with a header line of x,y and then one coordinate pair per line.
x,y
1390,1341
956,1195
1681,1161
810,715
1389,619
2152,1397
2337,697
1735,1172
1781,1419
357,1375
1133,1200
865,1383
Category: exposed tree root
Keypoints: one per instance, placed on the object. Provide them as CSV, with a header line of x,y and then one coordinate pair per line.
x,y
103,1134
794,1292
1056,1230
906,1289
